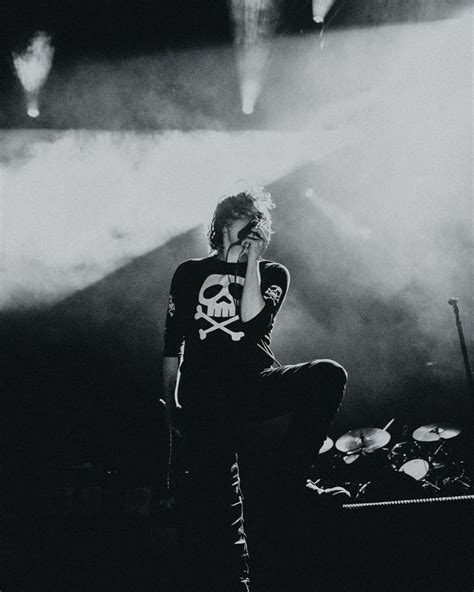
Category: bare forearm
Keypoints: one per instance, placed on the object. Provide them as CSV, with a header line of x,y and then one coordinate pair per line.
x,y
252,301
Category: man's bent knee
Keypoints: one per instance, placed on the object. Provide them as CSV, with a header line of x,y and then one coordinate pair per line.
x,y
330,370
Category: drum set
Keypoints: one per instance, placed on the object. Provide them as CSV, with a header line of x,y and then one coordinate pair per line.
x,y
362,461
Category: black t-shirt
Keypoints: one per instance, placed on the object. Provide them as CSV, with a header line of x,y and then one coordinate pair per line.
x,y
203,323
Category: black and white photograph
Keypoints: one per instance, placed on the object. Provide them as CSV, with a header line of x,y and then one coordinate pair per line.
x,y
236,296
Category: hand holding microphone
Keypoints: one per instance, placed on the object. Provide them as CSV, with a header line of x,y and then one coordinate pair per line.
x,y
253,239
247,230
245,233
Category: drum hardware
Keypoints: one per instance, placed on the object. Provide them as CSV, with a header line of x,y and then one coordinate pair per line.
x,y
451,473
450,482
350,458
435,469
403,452
442,470
407,457
423,460
358,443
440,449
362,490
425,483
354,488
439,465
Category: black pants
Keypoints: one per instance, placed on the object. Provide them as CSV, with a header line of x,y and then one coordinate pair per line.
x,y
215,549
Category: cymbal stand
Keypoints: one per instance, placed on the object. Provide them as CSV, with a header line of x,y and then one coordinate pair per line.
x,y
439,449
454,303
427,483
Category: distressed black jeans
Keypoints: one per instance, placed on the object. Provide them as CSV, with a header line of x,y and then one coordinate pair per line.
x,y
214,544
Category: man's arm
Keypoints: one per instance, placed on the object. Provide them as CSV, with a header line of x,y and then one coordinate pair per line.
x,y
173,340
252,300
170,368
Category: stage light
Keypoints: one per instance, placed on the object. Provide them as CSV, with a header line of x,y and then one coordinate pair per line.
x,y
251,65
320,10
254,22
250,90
32,67
32,104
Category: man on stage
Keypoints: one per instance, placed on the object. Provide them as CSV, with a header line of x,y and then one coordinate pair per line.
x,y
221,312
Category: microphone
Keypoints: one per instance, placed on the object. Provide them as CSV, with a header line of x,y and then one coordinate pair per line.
x,y
247,229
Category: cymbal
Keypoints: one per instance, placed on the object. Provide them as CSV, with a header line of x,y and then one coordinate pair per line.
x,y
362,440
327,445
435,431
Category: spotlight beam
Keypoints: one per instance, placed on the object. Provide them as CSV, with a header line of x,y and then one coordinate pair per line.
x,y
320,10
255,22
32,67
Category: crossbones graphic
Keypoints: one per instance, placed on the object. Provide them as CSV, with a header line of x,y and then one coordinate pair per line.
x,y
273,293
200,314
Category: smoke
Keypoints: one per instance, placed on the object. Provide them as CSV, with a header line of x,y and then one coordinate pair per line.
x,y
400,196
194,89
386,116
76,205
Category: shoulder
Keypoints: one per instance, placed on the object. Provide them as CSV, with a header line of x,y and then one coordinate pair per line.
x,y
192,266
274,268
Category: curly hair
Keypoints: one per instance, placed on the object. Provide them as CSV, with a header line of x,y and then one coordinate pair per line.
x,y
252,202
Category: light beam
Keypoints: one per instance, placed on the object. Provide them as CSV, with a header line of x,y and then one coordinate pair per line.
x,y
320,10
255,23
32,67
32,105
33,112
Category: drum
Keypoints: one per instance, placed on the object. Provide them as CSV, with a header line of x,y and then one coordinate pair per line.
x,y
408,457
417,468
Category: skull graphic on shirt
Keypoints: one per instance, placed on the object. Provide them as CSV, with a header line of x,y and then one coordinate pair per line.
x,y
217,301
216,296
